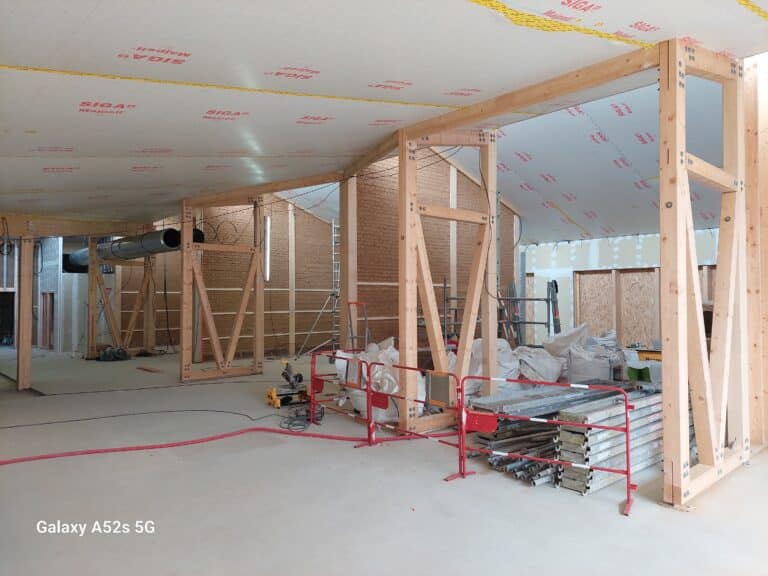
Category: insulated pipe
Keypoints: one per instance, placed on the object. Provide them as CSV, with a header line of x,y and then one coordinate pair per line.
x,y
131,247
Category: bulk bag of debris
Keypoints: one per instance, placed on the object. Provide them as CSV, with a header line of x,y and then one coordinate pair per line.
x,y
559,344
384,379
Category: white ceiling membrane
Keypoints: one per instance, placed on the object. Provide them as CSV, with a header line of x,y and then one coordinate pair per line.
x,y
322,201
119,109
592,170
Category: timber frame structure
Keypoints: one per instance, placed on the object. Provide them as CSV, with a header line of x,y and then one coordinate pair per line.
x,y
726,385
192,279
145,302
416,278
28,227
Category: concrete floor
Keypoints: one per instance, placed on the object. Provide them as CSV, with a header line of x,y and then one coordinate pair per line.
x,y
266,504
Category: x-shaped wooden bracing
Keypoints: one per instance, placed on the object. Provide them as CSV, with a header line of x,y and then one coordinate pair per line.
x,y
224,360
109,313
716,382
472,299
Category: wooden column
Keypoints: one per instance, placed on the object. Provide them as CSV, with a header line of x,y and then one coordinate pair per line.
x,y
291,280
348,221
616,279
733,163
673,199
93,312
453,278
149,335
755,319
24,287
258,286
187,289
762,186
408,276
488,300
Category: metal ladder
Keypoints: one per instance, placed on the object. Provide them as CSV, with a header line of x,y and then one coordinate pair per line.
x,y
335,281
352,337
508,325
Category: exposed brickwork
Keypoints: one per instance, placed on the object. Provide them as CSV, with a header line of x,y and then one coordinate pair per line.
x,y
378,240
224,271
377,258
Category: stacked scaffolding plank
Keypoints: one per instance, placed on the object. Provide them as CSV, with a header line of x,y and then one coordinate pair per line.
x,y
607,448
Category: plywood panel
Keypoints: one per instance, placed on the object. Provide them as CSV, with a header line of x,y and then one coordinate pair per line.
x,y
639,307
595,300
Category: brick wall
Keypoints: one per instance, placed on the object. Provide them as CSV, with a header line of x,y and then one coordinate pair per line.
x,y
378,241
224,275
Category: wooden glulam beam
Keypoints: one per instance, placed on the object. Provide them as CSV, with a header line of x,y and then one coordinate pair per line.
x,y
92,324
381,149
249,194
454,138
408,277
291,281
42,225
24,328
674,196
576,81
754,266
455,214
710,175
258,286
459,168
489,303
348,253
149,337
734,163
710,65
187,299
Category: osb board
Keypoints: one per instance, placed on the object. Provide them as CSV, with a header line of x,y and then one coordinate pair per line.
x,y
639,307
595,300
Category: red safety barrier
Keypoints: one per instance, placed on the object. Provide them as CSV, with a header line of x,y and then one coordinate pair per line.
x,y
468,420
374,399
318,380
378,399
474,421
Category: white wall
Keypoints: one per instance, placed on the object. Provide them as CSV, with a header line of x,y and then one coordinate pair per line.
x,y
559,260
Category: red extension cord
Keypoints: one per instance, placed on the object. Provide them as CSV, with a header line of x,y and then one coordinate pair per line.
x,y
202,440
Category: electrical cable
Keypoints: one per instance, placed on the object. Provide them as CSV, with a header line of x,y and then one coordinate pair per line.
x,y
298,420
193,441
142,388
125,414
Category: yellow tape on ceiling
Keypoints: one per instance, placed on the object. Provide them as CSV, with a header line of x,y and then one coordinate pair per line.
x,y
267,91
567,217
544,24
752,7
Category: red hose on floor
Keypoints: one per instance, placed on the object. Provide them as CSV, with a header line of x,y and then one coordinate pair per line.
x,y
202,440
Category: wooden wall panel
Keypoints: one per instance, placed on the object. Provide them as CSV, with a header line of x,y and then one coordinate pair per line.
x,y
639,307
595,300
